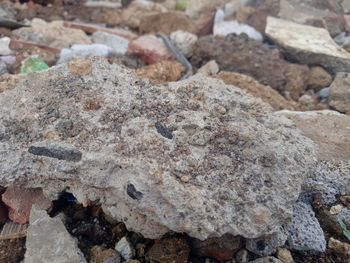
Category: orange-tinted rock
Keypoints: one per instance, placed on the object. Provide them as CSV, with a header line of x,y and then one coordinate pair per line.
x,y
166,250
150,49
80,66
163,71
20,201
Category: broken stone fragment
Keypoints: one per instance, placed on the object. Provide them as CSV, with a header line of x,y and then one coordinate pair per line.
x,y
308,45
49,241
195,156
125,248
20,201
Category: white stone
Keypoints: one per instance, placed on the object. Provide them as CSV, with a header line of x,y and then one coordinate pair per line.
x,y
84,51
4,46
308,44
125,248
49,241
118,44
222,27
184,41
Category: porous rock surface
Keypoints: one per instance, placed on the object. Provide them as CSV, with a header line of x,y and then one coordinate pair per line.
x,y
195,156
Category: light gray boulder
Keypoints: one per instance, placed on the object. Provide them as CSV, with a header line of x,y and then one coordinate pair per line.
x,y
195,156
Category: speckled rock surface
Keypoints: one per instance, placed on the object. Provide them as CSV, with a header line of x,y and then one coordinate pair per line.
x,y
195,156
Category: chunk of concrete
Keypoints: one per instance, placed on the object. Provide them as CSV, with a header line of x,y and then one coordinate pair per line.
x,y
308,44
244,166
49,241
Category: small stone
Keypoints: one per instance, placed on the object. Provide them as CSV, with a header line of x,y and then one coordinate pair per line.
x,y
210,68
125,248
57,246
102,255
80,66
339,93
184,41
284,255
165,22
220,248
242,256
118,44
185,179
150,48
336,209
162,71
3,67
20,201
319,78
175,250
4,46
340,248
84,51
224,28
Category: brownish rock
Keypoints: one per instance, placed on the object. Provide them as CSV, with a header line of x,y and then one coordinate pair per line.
x,y
255,17
340,248
250,57
12,251
253,87
150,49
99,254
204,24
345,199
111,17
339,92
328,129
20,201
220,248
80,66
163,71
10,81
175,250
165,23
318,78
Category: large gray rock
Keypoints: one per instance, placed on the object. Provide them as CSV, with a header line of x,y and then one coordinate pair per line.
x,y
195,156
339,92
49,241
307,44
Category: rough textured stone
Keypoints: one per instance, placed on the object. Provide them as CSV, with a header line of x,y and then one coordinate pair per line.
x,y
339,93
20,201
222,248
103,255
80,66
340,248
4,46
305,231
53,34
328,129
49,241
307,44
175,250
209,69
284,255
266,246
84,51
150,49
250,57
319,79
253,87
162,71
118,44
330,179
165,23
184,41
244,166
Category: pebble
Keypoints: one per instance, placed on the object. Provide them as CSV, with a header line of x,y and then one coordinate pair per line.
x,y
336,209
118,44
4,46
184,41
284,255
125,248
